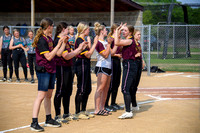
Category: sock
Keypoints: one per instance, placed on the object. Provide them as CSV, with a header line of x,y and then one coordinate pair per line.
x,y
34,120
32,77
127,100
48,117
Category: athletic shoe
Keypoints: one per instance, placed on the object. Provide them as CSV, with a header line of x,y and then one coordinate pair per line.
x,y
69,117
117,107
32,81
126,115
52,123
89,114
3,80
82,116
26,80
9,80
137,108
59,119
113,109
18,80
108,109
36,127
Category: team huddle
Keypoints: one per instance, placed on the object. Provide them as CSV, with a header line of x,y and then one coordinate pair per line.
x,y
70,54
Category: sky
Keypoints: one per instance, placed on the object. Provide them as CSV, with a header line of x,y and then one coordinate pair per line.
x,y
189,1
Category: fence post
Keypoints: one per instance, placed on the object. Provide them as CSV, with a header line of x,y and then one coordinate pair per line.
x,y
173,42
187,43
157,42
149,53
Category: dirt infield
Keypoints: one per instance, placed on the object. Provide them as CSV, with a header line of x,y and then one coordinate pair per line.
x,y
169,103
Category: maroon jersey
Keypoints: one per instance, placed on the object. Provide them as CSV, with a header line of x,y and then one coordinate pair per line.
x,y
118,48
129,51
60,61
45,45
79,40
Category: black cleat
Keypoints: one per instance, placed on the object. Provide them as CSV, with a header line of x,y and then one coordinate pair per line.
x,y
52,123
36,127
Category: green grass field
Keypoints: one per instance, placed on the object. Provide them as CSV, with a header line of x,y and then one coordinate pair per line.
x,y
182,64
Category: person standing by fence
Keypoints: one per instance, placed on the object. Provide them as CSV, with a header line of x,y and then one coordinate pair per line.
x,y
131,67
31,54
6,53
46,72
17,44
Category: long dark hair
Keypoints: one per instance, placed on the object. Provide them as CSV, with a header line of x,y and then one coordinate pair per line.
x,y
60,27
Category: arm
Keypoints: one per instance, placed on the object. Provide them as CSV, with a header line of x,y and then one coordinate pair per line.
x,y
11,47
50,55
89,41
67,56
106,53
1,42
23,47
121,42
63,45
89,53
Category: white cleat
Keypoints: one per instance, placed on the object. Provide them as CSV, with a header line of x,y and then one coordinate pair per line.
x,y
126,115
137,108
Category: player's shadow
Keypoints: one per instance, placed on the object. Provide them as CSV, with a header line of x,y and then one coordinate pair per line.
x,y
144,106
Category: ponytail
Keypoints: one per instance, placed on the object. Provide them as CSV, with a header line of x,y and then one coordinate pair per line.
x,y
80,29
113,27
43,26
38,35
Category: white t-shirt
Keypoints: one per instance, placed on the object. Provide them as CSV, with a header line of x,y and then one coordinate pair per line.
x,y
101,61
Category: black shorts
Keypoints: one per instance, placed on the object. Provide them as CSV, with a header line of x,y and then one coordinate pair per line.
x,y
103,70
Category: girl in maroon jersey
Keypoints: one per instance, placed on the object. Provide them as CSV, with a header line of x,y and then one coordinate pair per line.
x,y
82,70
132,66
64,73
45,70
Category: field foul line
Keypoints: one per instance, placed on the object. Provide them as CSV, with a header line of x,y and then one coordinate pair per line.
x,y
13,129
17,128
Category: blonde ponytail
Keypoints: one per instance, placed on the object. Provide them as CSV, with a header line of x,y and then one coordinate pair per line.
x,y
82,26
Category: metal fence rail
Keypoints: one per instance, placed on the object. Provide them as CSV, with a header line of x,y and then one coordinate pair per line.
x,y
170,47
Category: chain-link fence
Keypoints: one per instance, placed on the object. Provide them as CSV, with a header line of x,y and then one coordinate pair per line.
x,y
176,47
170,47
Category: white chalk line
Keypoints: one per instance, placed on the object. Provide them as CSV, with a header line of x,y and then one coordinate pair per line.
x,y
179,74
13,129
169,88
17,128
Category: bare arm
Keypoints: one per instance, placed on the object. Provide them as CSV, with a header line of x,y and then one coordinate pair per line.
x,y
89,53
11,47
49,56
68,56
89,41
63,45
106,53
